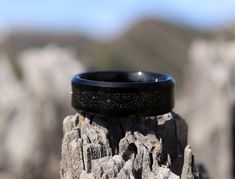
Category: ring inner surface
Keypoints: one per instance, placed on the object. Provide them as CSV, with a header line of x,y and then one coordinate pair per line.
x,y
122,77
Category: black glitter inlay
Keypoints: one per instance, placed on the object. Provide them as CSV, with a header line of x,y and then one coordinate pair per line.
x,y
115,102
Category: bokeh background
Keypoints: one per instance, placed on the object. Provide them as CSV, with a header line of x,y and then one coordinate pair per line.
x,y
44,43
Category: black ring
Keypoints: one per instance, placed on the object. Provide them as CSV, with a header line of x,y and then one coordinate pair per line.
x,y
123,93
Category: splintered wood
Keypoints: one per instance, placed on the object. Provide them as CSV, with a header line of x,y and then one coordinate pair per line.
x,y
131,147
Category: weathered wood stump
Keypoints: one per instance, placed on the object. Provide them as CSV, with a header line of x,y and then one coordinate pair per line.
x,y
126,147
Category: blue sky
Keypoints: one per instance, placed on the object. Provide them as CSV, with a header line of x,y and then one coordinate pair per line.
x,y
101,17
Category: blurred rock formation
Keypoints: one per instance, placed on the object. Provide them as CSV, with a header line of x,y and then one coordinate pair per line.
x,y
32,109
208,103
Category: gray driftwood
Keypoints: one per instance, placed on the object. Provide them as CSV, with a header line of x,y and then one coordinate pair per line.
x,y
133,147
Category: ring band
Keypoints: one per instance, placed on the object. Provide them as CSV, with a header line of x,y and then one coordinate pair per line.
x,y
123,93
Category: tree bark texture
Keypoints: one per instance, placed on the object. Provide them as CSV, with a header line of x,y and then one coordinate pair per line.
x,y
126,147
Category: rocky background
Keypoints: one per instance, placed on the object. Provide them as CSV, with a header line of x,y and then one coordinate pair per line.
x,y
35,72
32,107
